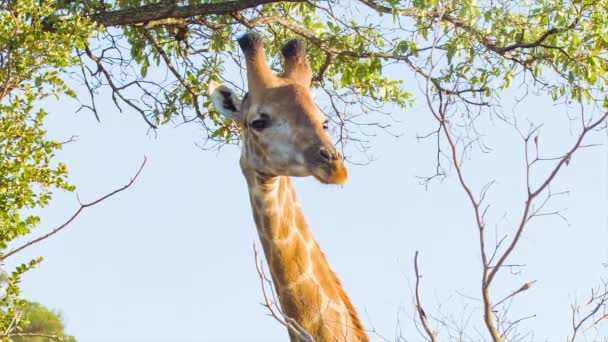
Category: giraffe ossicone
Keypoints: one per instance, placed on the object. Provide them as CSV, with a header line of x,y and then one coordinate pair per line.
x,y
284,134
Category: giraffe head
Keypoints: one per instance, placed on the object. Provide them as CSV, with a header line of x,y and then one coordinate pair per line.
x,y
282,129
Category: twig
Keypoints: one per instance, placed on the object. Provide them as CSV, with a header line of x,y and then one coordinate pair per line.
x,y
534,193
524,287
275,312
599,301
421,314
115,89
82,207
49,336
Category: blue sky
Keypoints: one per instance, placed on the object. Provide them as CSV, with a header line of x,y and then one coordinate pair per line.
x,y
171,258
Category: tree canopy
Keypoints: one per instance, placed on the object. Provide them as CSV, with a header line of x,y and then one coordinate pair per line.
x,y
470,50
42,325
368,57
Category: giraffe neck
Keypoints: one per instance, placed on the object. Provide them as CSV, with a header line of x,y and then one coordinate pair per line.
x,y
308,290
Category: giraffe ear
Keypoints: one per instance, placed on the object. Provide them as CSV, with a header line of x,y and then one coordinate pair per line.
x,y
225,101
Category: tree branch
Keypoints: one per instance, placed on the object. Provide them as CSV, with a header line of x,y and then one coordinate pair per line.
x,y
421,314
49,336
83,206
533,194
167,10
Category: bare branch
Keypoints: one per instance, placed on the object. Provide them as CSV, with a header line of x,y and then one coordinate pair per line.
x,y
523,288
421,314
115,89
82,207
534,193
271,304
49,336
596,313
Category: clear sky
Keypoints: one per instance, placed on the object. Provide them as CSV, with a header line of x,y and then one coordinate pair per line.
x,y
171,258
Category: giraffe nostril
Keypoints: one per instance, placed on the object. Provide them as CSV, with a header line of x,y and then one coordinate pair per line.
x,y
326,154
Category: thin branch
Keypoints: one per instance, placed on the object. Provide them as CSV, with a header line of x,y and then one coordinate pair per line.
x,y
271,305
115,89
515,323
82,207
421,314
597,302
523,288
533,194
49,336
193,92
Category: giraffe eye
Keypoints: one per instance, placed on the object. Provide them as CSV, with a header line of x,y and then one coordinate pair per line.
x,y
259,124
326,125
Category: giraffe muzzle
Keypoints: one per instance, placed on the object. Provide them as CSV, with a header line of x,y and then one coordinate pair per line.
x,y
329,167
329,156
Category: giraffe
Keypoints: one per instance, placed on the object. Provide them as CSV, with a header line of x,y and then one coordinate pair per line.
x,y
284,134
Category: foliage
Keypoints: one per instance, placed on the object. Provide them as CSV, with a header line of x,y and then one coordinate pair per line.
x,y
464,54
560,45
358,49
42,321
31,60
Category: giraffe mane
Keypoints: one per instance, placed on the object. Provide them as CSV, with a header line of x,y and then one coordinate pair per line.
x,y
352,312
